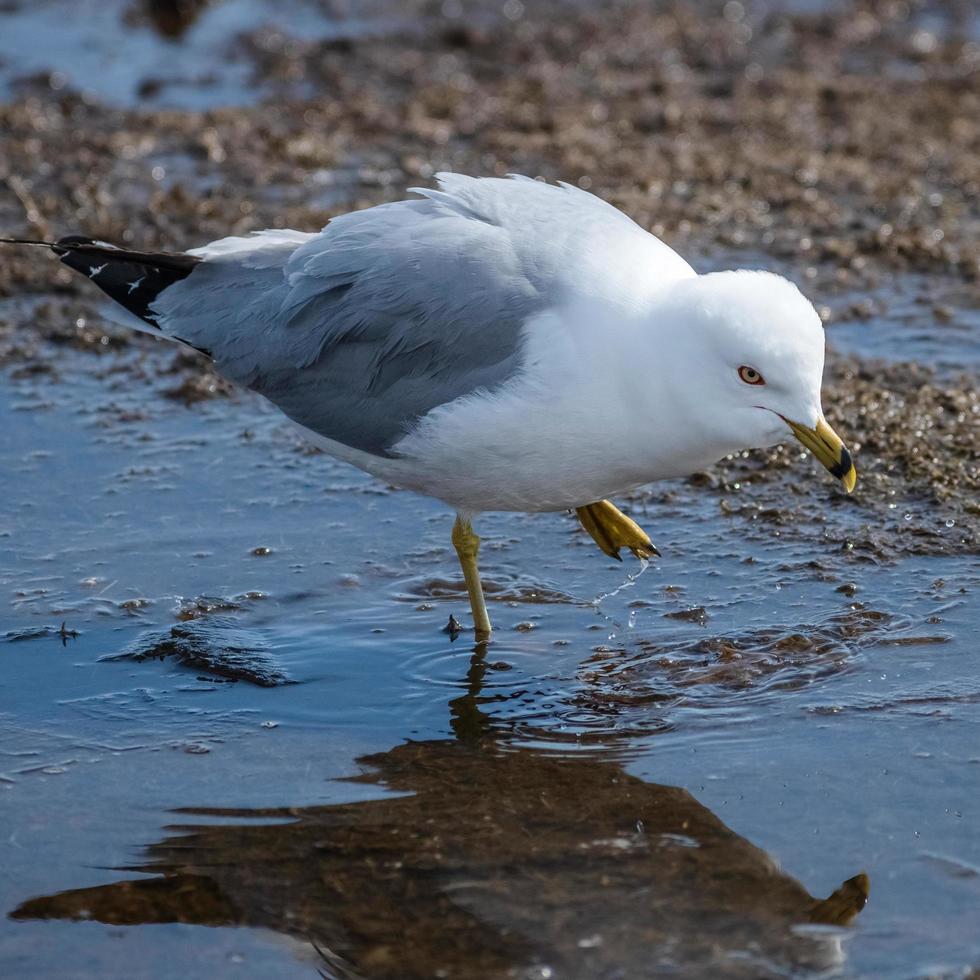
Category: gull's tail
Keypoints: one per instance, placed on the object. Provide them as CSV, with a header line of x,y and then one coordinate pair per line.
x,y
132,279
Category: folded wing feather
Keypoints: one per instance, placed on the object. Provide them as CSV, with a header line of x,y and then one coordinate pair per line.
x,y
358,331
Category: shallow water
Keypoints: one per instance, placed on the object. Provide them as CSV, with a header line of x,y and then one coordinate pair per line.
x,y
915,319
820,709
128,53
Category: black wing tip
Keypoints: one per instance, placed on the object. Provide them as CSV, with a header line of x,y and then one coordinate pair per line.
x,y
133,279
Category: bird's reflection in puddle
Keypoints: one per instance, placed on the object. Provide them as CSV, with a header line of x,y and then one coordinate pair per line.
x,y
497,860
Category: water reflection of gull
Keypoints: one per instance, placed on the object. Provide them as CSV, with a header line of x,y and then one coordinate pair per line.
x,y
495,860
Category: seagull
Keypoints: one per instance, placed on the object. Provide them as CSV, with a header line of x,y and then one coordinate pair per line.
x,y
501,344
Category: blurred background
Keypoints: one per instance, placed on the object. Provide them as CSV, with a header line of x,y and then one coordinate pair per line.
x,y
225,696
841,132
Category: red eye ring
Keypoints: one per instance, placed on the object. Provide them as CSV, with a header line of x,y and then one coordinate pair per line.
x,y
750,376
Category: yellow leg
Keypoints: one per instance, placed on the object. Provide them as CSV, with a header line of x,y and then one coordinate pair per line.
x,y
467,546
611,530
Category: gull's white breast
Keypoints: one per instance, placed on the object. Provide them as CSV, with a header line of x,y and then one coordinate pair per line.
x,y
585,419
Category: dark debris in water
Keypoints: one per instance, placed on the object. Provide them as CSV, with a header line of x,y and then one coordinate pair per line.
x,y
171,18
709,669
29,633
695,614
516,589
454,627
214,646
208,605
39,632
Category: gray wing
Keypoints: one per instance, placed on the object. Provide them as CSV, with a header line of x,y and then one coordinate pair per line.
x,y
360,330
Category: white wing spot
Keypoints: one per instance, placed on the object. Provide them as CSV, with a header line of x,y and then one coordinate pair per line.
x,y
96,269
135,283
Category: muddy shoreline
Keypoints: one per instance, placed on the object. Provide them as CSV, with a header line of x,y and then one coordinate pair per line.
x,y
740,136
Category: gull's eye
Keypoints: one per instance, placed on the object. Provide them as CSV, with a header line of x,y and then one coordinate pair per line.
x,y
750,376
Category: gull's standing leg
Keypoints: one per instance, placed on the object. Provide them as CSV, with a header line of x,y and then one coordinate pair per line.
x,y
611,530
467,546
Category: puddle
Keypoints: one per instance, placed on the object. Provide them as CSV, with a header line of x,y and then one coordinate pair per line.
x,y
194,55
709,752
216,648
928,322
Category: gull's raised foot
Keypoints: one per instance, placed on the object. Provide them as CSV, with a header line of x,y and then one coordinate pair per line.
x,y
611,530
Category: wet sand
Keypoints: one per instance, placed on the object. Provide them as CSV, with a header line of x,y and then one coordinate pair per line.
x,y
207,624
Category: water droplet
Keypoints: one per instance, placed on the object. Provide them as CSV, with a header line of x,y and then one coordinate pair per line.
x,y
950,522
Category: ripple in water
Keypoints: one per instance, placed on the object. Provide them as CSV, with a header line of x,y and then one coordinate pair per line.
x,y
542,692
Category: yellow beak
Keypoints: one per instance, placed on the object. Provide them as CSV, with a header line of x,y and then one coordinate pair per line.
x,y
829,448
